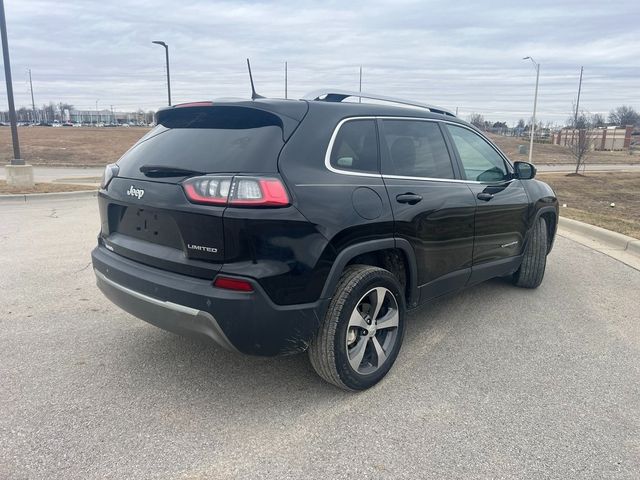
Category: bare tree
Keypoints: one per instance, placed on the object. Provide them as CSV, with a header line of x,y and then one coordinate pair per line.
x,y
597,120
583,141
624,116
23,114
582,121
476,120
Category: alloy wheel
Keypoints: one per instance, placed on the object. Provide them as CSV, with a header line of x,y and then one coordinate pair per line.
x,y
372,330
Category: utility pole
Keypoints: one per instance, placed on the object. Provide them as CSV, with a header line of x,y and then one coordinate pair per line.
x,y
17,173
535,103
456,111
285,80
360,86
113,117
33,102
16,160
533,120
575,120
97,114
166,51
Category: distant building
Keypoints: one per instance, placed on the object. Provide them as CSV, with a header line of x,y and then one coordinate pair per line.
x,y
602,138
105,116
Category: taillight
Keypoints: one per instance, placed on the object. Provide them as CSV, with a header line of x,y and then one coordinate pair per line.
x,y
268,192
233,284
211,189
236,191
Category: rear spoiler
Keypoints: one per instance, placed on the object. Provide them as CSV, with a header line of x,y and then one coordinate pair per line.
x,y
289,114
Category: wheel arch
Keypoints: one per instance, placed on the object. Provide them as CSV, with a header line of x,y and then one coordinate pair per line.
x,y
382,253
550,214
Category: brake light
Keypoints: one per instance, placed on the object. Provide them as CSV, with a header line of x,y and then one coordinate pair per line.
x,y
233,284
194,104
236,191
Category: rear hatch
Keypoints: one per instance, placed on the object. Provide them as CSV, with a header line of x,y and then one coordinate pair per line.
x,y
145,213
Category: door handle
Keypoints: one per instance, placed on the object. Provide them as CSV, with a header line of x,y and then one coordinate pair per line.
x,y
410,198
485,196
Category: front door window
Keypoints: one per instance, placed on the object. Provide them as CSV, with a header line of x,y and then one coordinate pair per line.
x,y
479,159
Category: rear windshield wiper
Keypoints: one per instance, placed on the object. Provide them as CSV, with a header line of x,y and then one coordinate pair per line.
x,y
160,171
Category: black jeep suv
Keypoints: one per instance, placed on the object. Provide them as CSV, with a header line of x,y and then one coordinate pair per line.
x,y
277,226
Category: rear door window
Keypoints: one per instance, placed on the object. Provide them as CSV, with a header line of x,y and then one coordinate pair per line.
x,y
416,149
356,147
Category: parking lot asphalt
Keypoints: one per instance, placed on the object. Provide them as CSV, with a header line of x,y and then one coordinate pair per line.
x,y
492,382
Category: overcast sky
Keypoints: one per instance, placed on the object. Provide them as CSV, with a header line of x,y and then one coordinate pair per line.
x,y
450,53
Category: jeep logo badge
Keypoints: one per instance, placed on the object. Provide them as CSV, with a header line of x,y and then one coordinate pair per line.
x,y
135,192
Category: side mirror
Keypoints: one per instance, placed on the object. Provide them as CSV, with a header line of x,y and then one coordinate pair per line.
x,y
524,170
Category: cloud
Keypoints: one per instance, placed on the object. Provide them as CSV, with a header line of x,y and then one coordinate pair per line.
x,y
455,54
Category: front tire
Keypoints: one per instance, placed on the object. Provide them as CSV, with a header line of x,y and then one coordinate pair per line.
x,y
534,260
362,331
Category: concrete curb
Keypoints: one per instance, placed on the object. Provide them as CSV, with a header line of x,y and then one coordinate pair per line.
x,y
609,240
31,197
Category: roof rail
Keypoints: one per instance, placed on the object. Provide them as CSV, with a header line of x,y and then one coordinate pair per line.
x,y
340,95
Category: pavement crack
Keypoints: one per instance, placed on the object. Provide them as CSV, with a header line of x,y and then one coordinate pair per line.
x,y
83,268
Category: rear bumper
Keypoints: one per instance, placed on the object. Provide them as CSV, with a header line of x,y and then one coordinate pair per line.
x,y
167,315
245,322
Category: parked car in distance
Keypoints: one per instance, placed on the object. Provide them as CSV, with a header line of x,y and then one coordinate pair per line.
x,y
277,226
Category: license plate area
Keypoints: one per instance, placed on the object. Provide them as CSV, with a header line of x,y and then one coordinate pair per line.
x,y
149,224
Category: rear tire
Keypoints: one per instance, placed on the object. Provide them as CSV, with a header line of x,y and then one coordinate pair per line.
x,y
362,331
534,261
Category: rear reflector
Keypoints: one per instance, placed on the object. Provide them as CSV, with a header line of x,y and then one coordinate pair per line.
x,y
233,284
236,191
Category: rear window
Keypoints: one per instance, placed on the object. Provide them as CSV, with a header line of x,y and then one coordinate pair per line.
x,y
356,147
208,140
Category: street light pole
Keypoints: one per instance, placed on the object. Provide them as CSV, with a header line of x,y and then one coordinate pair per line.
x,y
166,51
535,103
16,160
